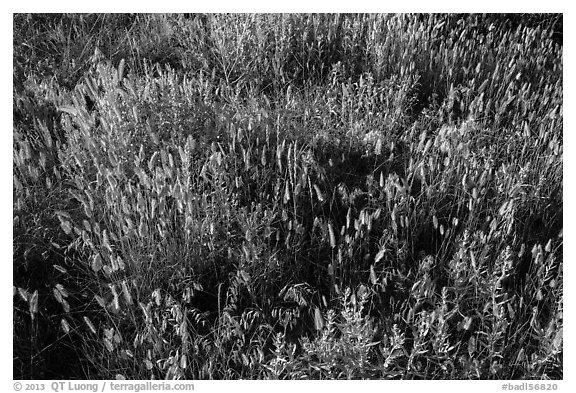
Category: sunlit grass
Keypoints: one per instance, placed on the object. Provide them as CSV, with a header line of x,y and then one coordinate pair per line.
x,y
292,196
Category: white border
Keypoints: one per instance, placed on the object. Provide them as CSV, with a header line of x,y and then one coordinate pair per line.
x,y
298,6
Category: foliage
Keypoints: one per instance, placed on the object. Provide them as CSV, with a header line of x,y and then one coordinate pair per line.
x,y
288,196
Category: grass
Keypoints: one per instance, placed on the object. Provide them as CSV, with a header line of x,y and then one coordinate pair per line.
x,y
288,196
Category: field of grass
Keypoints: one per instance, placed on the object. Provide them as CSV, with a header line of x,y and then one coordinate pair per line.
x,y
287,196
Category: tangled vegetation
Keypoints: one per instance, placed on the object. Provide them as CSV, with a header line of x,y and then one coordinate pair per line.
x,y
288,196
